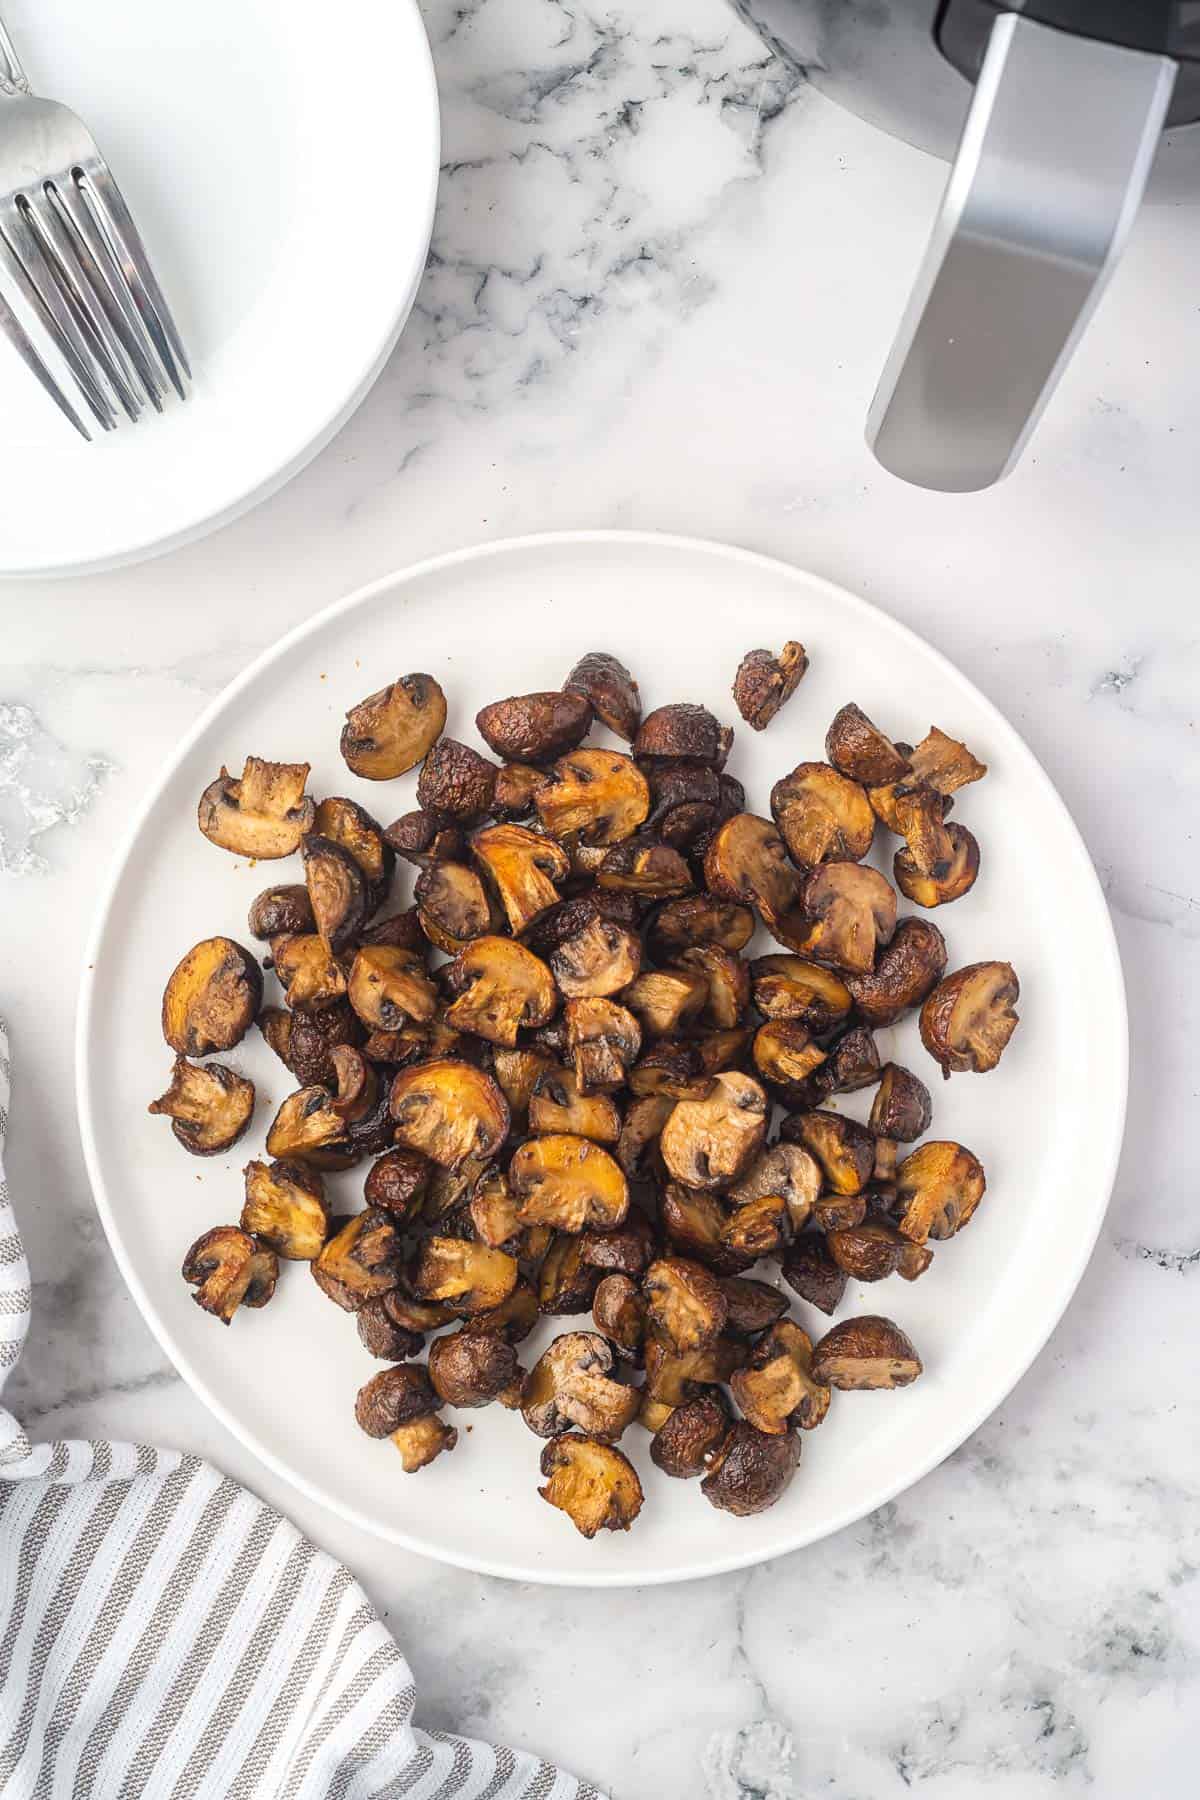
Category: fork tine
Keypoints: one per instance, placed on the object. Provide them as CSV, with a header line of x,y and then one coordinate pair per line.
x,y
78,286
101,192
13,330
124,330
22,256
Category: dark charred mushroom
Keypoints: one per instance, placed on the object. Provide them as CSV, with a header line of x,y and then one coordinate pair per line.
x,y
209,1106
282,910
311,976
228,1269
858,748
698,919
535,728
516,786
449,1110
263,815
938,1189
823,816
969,1017
874,1250
569,1183
596,1486
557,1105
809,1269
752,1306
867,1352
337,891
566,1283
600,959
456,783
597,796
686,731
690,1435
785,1055
603,1040
389,988
501,987
610,690
777,1390
788,987
359,1260
392,731
673,1068
469,1278
381,1336
944,763
747,861
646,867
709,1143
393,1398
314,1036
212,998
758,1228
567,918
728,979
523,867
949,880
844,1149
470,1368
906,971
901,1108
787,1171
455,907
765,682
572,1384
846,912
425,838
685,801
695,1222
685,1308
347,823
749,1471
620,1313
285,1208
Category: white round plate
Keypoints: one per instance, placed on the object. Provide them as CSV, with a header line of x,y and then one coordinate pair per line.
x,y
282,165
512,618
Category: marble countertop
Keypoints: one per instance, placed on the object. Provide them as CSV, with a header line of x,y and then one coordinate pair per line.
x,y
665,274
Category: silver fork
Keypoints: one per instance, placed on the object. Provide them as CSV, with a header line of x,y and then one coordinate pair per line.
x,y
73,265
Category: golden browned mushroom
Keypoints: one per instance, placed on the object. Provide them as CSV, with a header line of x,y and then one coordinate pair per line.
x,y
599,796
513,1319
823,816
874,1250
209,1106
720,1051
212,998
759,1228
305,1122
275,1023
653,1414
685,1308
424,838
673,1068
689,1435
598,960
391,731
558,1106
764,682
228,1268
285,1208
785,1170
969,1017
747,861
695,1221
263,815
857,748
455,907
595,1485
949,881
455,783
610,690
347,823
423,1439
359,1260
698,919
356,1084
603,1040
516,1073
674,1379
337,890
449,1110
494,1211
566,1283
906,971
523,867
644,866
844,1149
788,987
638,1141
809,1269
753,1306
535,728
470,1368
620,1313
567,1182
667,1000
709,1143
280,911
388,988
684,730
379,1334
501,987
750,1470
939,1187
728,979
918,812
311,975
777,1390
785,1054
944,763
516,786
901,1107
572,1383
846,911
868,1352
469,1278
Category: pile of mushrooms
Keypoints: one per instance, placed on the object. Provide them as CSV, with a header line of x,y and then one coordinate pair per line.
x,y
577,1088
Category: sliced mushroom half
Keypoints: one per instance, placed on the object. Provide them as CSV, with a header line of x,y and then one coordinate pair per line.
x,y
468,1278
312,977
392,731
456,783
938,1189
777,1389
501,988
285,1208
597,796
844,1149
209,1106
610,690
454,906
823,816
337,890
868,1352
949,880
969,1017
558,1105
212,998
697,919
390,988
449,1110
944,763
572,1383
263,814
846,912
685,1307
598,961
786,1170
604,1040
857,748
646,867
750,1470
747,862
902,1107
593,1483
523,867
568,1182
228,1268
789,987
709,1143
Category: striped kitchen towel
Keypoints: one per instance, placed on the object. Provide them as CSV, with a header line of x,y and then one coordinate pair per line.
x,y
165,1634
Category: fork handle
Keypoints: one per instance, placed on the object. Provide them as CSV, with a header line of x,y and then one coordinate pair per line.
x,y
13,80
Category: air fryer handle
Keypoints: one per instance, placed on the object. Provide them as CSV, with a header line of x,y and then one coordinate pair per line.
x,y
1049,176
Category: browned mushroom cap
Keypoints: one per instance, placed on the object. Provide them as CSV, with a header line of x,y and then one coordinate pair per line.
x,y
874,1249
559,1106
572,1384
638,1140
867,1352
939,1187
689,1436
311,975
684,730
356,1085
788,987
379,1334
644,866
949,880
906,971
535,728
852,1063
424,838
857,748
823,816
673,1068
388,988
275,1023
501,987
567,1182
337,890
627,1249
229,1269
764,683
846,911
844,1149
422,1440
610,690
776,1389
709,1143
347,823
263,815
566,918
902,1107
279,911
785,1054
604,1040
809,1269
753,1306
405,1309
360,1259
516,1073
389,732
747,861
620,1313
471,1368
455,907
449,1110
393,1398
787,1171
595,1485
469,1278
750,1470
306,1122
917,812
969,1017
674,1379
212,998
209,1105
694,1222
600,959
513,1319
566,1283
944,763
759,1228
685,1308
286,1209
667,1000
685,801
728,979
516,785
312,1037
523,868
455,783
698,919
598,796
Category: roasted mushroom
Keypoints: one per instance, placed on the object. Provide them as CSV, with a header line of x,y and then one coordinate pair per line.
x,y
723,1050
750,1470
392,731
423,1439
392,1398
747,861
523,867
728,979
685,801
949,880
425,838
313,1036
788,987
874,1249
944,763
494,1211
695,1222
752,1306
389,988
901,1108
672,1067
667,1000
285,1208
969,1017
785,1170
604,1040
686,731
646,867
620,1313
275,1023
567,1182
868,1352
558,1105
449,1110
776,1390
455,783
472,1368
501,987
263,815
698,919
513,1319
685,1308
809,1269
906,971
535,728
469,1278
759,1228
359,1260
379,1334
598,960
565,1281
306,1122
337,891
516,786
516,1073
347,823
845,912
454,906
938,1189
572,1384
212,998
764,682
610,690
311,976
856,747
785,1055
823,816
844,1149
228,1269
596,1486
709,1143
280,911
640,1129
597,796
209,1106
690,1434
674,1379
